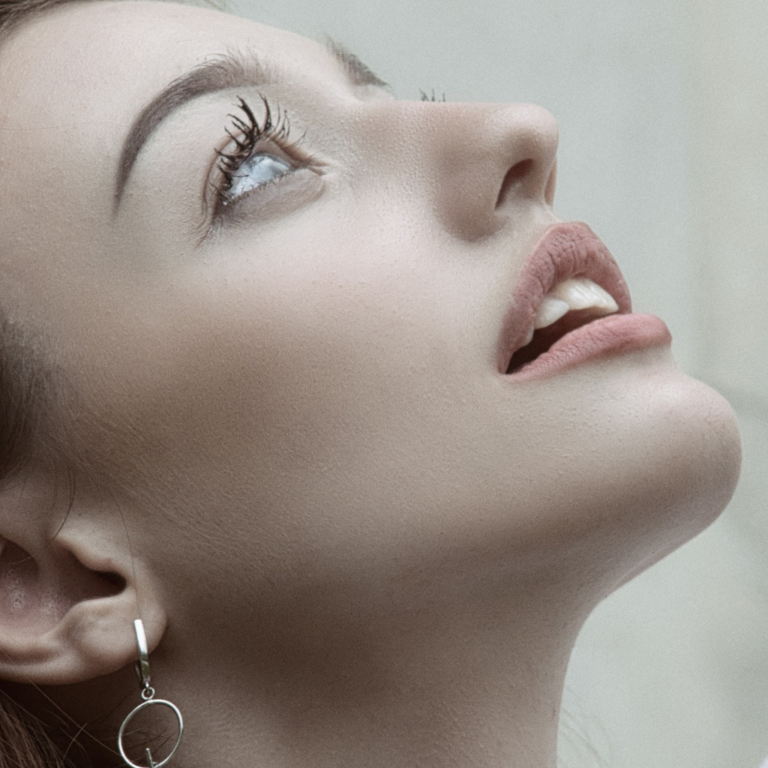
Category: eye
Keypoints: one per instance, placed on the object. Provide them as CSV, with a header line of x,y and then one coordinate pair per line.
x,y
259,169
261,154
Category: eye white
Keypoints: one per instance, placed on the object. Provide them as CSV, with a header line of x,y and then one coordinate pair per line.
x,y
256,172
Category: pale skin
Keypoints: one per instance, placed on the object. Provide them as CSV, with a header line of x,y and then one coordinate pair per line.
x,y
351,539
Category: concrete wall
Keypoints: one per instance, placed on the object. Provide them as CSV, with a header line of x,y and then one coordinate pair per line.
x,y
663,106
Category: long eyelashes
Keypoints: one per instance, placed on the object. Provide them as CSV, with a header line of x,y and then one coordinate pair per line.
x,y
247,132
431,96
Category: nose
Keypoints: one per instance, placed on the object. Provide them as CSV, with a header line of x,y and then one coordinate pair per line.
x,y
489,161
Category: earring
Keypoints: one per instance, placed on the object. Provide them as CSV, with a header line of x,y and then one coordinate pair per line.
x,y
149,700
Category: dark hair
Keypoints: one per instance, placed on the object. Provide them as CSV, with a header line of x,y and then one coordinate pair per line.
x,y
26,380
25,741
12,12
26,385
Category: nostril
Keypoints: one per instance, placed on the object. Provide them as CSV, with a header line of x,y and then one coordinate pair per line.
x,y
515,175
549,190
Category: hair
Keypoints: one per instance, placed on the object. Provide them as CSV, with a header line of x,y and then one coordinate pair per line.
x,y
25,742
26,373
13,12
26,394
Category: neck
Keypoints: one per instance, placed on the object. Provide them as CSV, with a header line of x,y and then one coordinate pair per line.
x,y
432,689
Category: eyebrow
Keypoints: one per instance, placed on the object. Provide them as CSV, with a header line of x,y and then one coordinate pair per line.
x,y
357,72
219,72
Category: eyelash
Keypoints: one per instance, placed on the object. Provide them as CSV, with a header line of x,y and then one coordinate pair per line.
x,y
430,96
247,134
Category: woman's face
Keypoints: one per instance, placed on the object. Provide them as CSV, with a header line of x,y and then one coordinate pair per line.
x,y
288,345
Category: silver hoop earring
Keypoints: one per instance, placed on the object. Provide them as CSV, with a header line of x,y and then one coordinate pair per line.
x,y
149,700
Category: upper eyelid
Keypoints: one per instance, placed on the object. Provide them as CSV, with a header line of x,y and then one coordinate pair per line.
x,y
274,126
246,134
292,146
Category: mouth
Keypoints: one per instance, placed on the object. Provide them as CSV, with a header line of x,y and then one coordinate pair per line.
x,y
564,308
571,304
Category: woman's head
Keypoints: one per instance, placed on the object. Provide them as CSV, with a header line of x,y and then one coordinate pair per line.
x,y
273,300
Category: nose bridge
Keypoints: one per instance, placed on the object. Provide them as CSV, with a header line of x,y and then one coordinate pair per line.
x,y
488,160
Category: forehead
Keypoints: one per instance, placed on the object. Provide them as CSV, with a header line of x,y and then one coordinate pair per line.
x,y
130,47
76,63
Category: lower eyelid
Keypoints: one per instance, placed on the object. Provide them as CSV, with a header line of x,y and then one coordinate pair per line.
x,y
275,199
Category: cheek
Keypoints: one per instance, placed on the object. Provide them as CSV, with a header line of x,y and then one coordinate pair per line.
x,y
286,360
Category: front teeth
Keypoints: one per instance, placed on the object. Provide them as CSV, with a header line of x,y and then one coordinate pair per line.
x,y
528,337
576,293
550,311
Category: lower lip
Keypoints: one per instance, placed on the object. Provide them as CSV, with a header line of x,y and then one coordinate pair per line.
x,y
603,338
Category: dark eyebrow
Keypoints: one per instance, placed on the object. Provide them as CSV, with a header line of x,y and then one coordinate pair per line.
x,y
227,70
358,72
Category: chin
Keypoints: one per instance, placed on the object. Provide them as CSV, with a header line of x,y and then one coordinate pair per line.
x,y
702,467
677,475
660,465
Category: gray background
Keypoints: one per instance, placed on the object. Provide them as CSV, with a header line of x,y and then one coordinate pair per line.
x,y
663,108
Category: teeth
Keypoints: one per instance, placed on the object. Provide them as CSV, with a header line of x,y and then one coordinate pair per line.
x,y
528,337
550,311
576,293
581,293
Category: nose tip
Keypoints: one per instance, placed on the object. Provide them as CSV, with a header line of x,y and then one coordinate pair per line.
x,y
507,159
530,137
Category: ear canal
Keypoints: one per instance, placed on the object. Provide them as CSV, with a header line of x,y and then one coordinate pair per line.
x,y
35,593
19,577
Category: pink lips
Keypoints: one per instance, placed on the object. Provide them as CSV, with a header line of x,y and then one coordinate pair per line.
x,y
567,251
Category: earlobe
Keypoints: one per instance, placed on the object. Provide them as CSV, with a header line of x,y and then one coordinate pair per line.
x,y
67,608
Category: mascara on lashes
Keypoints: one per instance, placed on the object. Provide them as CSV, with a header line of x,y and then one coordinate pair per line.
x,y
247,133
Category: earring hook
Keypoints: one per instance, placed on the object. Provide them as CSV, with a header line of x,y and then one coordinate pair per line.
x,y
142,665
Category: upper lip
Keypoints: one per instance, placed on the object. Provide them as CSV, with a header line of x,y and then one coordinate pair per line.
x,y
566,250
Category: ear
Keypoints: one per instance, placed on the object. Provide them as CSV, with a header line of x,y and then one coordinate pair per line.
x,y
69,592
